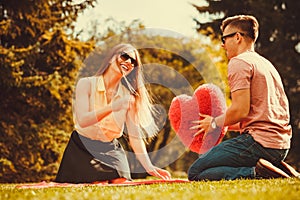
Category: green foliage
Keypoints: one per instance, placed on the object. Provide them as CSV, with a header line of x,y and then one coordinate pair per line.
x,y
39,65
279,41
275,189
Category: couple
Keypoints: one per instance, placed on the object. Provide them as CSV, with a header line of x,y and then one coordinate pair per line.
x,y
116,96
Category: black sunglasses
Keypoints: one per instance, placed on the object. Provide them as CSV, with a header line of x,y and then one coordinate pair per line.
x,y
229,35
124,56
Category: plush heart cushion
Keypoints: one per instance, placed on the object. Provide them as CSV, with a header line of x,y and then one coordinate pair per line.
x,y
207,99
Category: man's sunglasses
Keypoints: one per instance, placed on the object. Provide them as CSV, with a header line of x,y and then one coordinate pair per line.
x,y
124,56
223,38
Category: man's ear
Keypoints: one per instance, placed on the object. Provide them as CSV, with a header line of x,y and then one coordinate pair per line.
x,y
238,37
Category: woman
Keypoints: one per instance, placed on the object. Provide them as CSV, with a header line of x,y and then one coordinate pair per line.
x,y
114,97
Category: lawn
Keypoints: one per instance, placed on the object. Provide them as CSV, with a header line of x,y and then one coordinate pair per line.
x,y
232,190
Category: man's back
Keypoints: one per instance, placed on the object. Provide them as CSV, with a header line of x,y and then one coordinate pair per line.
x,y
268,117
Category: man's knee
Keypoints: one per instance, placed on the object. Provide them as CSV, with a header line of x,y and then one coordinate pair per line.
x,y
192,174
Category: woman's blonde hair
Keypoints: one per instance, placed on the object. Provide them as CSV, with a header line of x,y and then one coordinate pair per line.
x,y
135,83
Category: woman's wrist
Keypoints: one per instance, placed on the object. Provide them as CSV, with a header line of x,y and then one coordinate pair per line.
x,y
150,169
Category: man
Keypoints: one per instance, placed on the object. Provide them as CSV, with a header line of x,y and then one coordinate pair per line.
x,y
259,110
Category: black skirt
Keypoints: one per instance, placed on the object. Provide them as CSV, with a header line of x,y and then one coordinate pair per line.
x,y
87,161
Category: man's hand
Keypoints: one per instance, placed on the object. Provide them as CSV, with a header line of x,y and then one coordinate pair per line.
x,y
203,125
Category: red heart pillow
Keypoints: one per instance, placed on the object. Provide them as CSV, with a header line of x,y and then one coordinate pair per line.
x,y
207,99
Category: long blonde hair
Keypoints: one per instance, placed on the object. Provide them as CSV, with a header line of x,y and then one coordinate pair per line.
x,y
135,83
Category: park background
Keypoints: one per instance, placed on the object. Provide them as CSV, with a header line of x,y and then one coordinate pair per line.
x,y
43,53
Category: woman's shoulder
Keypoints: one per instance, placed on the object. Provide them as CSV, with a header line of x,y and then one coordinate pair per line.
x,y
88,79
84,82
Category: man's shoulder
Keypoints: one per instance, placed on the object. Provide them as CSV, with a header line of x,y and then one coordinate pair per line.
x,y
249,57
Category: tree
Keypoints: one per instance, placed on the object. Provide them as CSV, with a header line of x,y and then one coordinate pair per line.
x,y
39,64
279,41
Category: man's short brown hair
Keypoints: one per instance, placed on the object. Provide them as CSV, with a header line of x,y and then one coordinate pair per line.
x,y
245,23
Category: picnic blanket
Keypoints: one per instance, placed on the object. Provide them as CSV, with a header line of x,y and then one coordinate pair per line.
x,y
118,182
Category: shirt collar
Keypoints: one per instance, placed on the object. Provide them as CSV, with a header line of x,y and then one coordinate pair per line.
x,y
101,86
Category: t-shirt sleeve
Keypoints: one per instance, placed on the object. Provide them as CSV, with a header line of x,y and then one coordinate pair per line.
x,y
239,74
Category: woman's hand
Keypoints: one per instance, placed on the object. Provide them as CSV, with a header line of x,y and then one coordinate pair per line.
x,y
122,103
160,173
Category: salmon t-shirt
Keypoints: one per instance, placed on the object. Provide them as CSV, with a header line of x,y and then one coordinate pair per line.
x,y
268,118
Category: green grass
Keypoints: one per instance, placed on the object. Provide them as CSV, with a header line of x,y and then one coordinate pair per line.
x,y
232,190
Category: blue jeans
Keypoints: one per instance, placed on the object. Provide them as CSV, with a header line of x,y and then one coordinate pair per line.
x,y
233,159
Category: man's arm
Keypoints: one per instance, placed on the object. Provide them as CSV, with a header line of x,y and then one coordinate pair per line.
x,y
238,110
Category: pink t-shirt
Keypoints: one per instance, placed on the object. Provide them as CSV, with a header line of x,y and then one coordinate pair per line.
x,y
268,119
